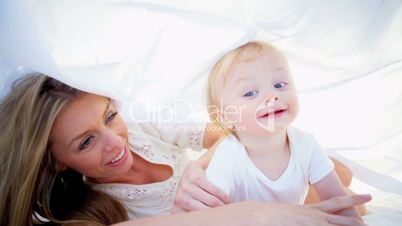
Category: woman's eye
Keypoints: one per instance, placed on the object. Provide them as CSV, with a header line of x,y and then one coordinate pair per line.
x,y
110,117
85,144
280,85
251,93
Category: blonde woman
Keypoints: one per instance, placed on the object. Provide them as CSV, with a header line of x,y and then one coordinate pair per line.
x,y
68,158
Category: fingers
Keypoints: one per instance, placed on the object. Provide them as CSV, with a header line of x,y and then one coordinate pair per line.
x,y
196,199
187,205
216,197
207,197
195,192
340,203
200,194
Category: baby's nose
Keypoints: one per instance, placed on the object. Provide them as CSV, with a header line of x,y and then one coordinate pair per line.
x,y
270,102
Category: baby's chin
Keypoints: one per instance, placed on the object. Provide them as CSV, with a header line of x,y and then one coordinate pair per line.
x,y
260,130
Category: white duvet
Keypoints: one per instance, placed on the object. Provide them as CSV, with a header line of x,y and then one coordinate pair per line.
x,y
346,57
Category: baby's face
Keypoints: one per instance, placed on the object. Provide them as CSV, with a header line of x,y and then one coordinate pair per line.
x,y
262,91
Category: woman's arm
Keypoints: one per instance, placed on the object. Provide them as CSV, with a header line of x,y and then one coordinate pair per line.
x,y
262,214
195,192
330,187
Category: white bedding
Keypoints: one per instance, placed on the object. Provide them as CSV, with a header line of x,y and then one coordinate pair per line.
x,y
346,57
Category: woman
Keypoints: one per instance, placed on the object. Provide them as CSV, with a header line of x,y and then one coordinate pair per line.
x,y
52,134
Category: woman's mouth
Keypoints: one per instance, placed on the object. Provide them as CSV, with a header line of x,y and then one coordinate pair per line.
x,y
119,158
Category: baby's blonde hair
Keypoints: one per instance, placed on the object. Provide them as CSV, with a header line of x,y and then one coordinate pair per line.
x,y
223,67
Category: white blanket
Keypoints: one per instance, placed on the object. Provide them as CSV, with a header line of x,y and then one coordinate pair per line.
x,y
345,57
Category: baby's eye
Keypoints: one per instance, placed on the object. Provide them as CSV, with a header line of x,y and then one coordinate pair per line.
x,y
111,117
251,93
280,85
86,142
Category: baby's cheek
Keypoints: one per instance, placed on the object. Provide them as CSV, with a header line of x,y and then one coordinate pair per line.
x,y
248,118
232,114
232,118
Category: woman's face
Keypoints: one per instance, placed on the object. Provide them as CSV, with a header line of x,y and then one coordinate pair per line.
x,y
90,137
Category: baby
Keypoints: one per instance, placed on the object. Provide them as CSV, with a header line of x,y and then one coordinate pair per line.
x,y
252,96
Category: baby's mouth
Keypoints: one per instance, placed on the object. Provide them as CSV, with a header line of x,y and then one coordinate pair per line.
x,y
271,113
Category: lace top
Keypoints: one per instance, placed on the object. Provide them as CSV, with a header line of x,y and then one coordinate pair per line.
x,y
161,144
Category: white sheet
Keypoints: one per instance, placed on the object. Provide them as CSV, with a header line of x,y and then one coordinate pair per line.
x,y
345,57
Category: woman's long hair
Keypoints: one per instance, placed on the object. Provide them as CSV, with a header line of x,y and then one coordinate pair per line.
x,y
32,190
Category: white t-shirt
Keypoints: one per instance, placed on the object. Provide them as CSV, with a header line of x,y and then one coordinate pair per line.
x,y
232,170
161,144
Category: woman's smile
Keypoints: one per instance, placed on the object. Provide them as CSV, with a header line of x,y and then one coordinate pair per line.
x,y
120,158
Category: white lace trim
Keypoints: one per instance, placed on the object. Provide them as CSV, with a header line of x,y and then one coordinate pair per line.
x,y
195,137
159,193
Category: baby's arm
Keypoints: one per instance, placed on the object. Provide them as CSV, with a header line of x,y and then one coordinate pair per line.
x,y
329,187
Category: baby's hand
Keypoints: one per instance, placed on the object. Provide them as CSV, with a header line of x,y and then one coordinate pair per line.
x,y
195,192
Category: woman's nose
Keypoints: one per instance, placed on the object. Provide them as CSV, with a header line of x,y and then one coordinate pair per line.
x,y
112,141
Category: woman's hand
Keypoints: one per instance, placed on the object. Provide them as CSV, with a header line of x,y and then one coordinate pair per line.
x,y
337,204
340,203
321,213
195,192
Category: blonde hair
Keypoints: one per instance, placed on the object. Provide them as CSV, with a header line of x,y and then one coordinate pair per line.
x,y
28,174
223,67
